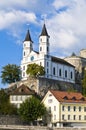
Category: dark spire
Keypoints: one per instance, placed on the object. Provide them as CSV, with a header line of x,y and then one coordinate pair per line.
x,y
28,37
44,31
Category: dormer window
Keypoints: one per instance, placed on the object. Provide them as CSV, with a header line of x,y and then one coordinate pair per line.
x,y
82,99
73,98
65,98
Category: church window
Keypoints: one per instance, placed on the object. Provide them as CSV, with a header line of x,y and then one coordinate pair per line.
x,y
40,48
47,64
47,71
41,39
47,48
59,72
23,67
47,40
54,71
71,75
24,53
24,45
23,74
66,73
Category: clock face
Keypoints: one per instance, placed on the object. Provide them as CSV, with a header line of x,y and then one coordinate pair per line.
x,y
32,58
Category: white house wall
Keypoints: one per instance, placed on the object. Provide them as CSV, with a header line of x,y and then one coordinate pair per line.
x,y
51,102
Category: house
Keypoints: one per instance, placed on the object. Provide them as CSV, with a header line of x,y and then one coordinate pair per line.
x,y
19,95
65,108
55,68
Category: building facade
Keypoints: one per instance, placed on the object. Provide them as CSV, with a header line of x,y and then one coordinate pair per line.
x,y
79,61
66,108
20,94
55,68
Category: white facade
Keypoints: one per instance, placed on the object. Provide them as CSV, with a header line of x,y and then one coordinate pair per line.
x,y
66,109
18,99
55,68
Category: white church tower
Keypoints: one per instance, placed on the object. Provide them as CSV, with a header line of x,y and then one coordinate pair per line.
x,y
44,46
27,45
27,48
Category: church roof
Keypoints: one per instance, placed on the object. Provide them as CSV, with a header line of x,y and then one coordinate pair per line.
x,y
61,61
44,31
28,37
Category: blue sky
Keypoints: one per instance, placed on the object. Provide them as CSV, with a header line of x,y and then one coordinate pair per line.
x,y
65,21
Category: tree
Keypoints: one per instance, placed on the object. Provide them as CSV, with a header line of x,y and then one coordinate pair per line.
x,y
84,84
6,108
35,70
10,73
31,109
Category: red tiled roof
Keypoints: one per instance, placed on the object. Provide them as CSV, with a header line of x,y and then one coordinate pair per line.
x,y
69,97
23,90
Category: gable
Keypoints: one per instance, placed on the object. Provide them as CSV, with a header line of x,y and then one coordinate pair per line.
x,y
48,98
23,90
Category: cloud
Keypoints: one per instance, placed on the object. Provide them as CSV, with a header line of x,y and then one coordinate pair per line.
x,y
65,20
8,19
67,28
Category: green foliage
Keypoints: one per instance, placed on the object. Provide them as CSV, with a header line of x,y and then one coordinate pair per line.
x,y
5,107
35,70
84,84
10,73
31,109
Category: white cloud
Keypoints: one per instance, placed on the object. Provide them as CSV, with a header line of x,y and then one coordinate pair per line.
x,y
11,18
68,27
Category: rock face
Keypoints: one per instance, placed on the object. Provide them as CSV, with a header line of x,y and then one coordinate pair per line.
x,y
42,85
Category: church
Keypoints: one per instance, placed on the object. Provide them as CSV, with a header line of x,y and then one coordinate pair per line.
x,y
55,68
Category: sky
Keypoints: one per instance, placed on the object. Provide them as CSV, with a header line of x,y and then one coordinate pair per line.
x,y
65,22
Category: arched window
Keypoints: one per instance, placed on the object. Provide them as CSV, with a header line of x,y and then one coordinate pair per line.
x,y
60,72
24,53
66,73
47,49
54,71
71,75
40,48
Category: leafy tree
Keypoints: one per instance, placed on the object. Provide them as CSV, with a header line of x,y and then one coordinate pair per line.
x,y
5,107
35,70
10,73
31,109
84,84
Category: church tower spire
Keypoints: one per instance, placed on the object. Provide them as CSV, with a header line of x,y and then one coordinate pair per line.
x,y
28,37
44,31
44,46
27,45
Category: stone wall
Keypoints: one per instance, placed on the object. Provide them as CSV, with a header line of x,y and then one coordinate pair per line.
x,y
42,85
10,120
